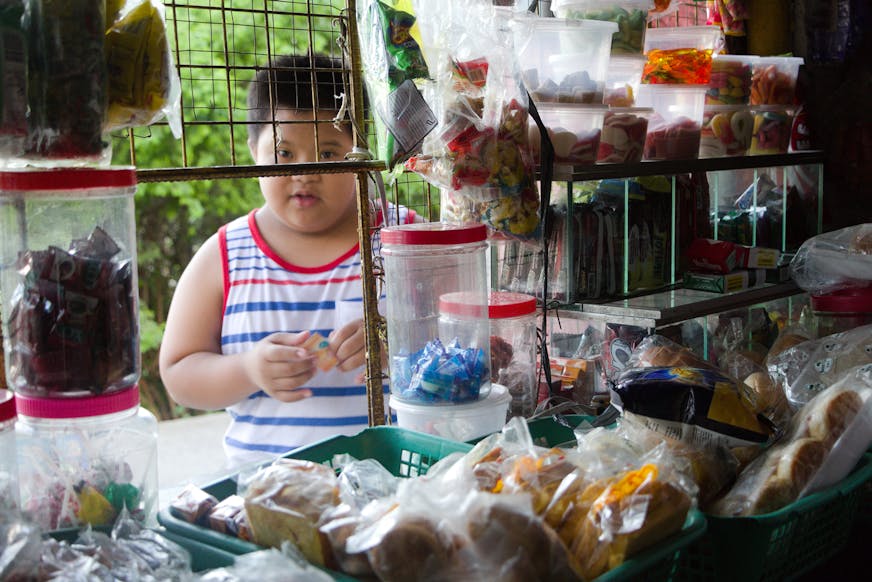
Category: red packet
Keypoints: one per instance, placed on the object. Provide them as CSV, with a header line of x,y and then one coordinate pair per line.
x,y
318,346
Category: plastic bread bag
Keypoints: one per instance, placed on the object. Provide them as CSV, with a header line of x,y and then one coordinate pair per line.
x,y
479,154
810,367
441,530
394,66
266,566
690,405
841,259
827,437
143,82
608,520
658,351
789,336
285,501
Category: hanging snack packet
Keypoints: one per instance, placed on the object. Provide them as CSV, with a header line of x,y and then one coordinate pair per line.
x,y
143,83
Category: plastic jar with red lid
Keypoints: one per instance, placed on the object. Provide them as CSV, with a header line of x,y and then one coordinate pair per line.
x,y
842,310
68,281
8,462
513,348
422,264
82,460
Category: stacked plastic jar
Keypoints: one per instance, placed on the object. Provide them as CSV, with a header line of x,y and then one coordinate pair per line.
x,y
422,264
86,449
8,462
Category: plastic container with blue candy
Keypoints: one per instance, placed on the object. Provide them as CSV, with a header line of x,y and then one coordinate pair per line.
x,y
424,265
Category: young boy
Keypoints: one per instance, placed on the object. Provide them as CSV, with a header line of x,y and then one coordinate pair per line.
x,y
240,333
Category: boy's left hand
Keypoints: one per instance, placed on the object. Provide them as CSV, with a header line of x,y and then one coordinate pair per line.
x,y
348,343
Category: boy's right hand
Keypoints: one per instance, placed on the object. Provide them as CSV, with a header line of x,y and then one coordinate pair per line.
x,y
279,366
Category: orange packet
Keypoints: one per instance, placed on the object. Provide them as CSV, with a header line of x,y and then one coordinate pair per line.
x,y
319,347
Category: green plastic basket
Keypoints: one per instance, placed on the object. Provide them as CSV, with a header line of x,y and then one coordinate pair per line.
x,y
779,545
407,453
549,432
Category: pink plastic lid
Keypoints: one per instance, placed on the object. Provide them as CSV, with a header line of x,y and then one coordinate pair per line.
x,y
433,233
78,407
846,301
463,303
7,405
505,304
67,179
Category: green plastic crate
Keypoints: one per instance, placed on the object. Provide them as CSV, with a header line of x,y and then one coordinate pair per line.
x,y
548,432
407,454
779,545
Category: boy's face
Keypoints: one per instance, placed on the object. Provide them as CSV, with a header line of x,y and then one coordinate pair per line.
x,y
314,203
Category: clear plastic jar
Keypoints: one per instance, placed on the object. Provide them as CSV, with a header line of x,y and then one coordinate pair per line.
x,y
513,348
423,262
70,303
82,460
842,310
8,462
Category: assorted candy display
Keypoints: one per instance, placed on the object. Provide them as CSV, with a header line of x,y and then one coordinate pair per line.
x,y
686,66
623,137
678,140
73,325
440,373
726,132
631,18
771,131
730,82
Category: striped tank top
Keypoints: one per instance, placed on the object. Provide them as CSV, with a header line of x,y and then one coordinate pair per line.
x,y
264,294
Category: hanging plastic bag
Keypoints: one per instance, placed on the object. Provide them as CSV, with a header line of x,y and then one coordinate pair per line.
x,y
143,83
836,260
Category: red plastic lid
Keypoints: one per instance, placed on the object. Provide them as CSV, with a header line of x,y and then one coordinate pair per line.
x,y
505,304
464,303
7,405
78,407
67,179
847,301
433,233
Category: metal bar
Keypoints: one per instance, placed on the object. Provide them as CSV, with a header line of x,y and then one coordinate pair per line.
x,y
228,85
182,108
255,171
236,9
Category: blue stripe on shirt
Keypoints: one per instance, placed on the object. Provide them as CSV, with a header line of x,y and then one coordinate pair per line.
x,y
278,449
250,306
255,337
296,421
254,268
328,391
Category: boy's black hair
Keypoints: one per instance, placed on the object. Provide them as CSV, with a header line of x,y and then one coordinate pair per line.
x,y
289,78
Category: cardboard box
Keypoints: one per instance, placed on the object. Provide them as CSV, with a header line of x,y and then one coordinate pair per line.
x,y
712,256
725,283
756,257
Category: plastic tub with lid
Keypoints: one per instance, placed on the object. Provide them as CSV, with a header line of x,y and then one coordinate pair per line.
x,y
674,129
623,137
631,16
773,80
623,79
82,460
681,55
574,131
461,422
70,302
422,263
726,131
770,133
563,60
730,81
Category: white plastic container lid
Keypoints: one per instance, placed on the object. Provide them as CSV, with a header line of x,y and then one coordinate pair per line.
x,y
684,37
572,24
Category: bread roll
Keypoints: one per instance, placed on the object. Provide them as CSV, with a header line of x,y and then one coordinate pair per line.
x,y
830,414
412,548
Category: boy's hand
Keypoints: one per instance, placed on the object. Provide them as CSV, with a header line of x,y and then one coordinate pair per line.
x,y
348,343
279,366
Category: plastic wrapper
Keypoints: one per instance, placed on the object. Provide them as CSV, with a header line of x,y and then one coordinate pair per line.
x,y
479,154
811,367
73,323
143,83
193,505
392,56
659,351
841,259
266,566
130,552
827,437
222,517
689,404
284,502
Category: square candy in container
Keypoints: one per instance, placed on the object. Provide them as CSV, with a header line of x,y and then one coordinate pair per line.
x,y
674,129
563,60
726,131
623,136
574,131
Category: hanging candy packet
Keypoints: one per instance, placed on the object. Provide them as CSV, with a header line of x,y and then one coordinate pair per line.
x,y
479,155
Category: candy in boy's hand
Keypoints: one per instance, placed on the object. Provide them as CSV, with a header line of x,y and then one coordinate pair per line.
x,y
319,347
